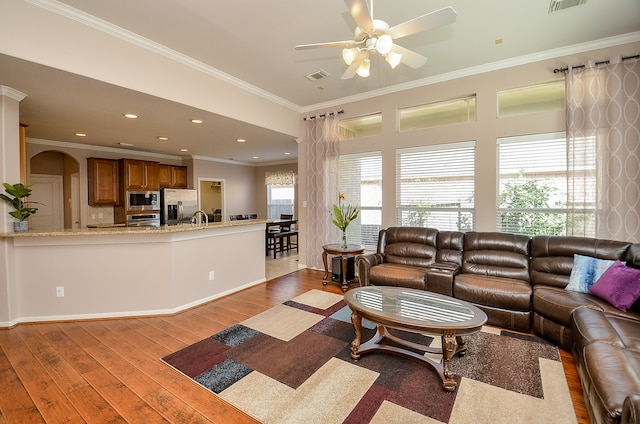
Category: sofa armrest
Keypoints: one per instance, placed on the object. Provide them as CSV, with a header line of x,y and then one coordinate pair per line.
x,y
439,278
364,264
631,410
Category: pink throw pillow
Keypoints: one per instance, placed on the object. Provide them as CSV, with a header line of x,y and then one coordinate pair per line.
x,y
619,285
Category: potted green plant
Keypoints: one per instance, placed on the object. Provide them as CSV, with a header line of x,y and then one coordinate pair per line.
x,y
17,193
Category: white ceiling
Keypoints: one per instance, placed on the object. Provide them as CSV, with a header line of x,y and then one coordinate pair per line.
x,y
254,42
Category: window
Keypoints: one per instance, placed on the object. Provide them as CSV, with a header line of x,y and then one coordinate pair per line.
x,y
532,193
362,126
542,97
361,182
440,113
436,186
280,199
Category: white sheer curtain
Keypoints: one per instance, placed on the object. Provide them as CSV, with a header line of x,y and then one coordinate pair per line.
x,y
603,150
321,138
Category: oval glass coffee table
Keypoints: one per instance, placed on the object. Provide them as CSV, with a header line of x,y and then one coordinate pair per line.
x,y
415,311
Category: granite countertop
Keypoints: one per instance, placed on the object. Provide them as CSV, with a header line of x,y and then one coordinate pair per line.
x,y
163,229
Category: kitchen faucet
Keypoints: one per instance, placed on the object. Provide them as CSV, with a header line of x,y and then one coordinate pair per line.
x,y
194,218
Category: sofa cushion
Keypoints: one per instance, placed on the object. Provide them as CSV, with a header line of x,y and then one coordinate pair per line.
x,y
409,246
504,293
496,255
392,274
557,304
589,325
585,272
619,285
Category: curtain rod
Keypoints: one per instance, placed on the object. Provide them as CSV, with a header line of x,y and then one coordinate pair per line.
x,y
604,62
324,114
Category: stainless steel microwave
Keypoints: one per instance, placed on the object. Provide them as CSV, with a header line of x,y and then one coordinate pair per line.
x,y
142,200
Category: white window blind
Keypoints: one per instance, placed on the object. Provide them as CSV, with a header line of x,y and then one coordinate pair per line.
x,y
532,184
280,200
436,186
361,182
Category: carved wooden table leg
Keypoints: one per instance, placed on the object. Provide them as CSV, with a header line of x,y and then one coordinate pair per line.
x,y
326,268
355,344
448,350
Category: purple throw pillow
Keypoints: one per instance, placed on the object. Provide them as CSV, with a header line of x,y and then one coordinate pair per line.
x,y
619,285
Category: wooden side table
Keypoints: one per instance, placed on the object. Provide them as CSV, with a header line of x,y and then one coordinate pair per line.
x,y
337,250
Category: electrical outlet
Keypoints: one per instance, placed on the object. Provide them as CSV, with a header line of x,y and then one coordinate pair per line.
x,y
211,275
60,291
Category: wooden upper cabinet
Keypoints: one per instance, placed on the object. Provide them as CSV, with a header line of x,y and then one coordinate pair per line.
x,y
172,176
103,178
140,174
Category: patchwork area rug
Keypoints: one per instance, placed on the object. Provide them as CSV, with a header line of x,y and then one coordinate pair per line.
x,y
291,364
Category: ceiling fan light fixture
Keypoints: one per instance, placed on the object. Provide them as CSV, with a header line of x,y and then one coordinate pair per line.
x,y
349,55
393,59
384,43
363,69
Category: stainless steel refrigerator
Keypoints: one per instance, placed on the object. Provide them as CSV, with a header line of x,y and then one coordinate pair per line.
x,y
177,206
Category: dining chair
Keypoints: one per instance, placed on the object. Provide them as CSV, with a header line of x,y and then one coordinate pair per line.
x,y
289,232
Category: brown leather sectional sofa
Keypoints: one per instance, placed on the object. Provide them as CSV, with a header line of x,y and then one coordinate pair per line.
x,y
519,282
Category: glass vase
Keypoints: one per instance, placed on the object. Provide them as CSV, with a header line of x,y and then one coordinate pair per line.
x,y
344,245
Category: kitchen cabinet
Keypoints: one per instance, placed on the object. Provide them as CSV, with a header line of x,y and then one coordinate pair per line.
x,y
103,181
139,174
172,176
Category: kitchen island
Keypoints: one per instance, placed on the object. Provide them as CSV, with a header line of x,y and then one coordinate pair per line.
x,y
123,271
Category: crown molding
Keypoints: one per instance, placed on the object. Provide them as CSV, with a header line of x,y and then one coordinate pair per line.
x,y
92,147
12,93
133,38
475,70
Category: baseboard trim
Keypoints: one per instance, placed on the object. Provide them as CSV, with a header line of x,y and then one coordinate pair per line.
x,y
126,314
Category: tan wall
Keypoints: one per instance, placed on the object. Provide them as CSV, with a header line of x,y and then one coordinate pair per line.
x,y
484,131
239,184
261,190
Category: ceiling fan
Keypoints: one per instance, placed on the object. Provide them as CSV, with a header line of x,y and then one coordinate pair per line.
x,y
375,36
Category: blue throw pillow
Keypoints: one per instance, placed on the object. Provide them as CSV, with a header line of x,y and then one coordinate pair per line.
x,y
585,272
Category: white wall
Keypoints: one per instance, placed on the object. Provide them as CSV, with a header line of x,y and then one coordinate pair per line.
x,y
38,35
131,274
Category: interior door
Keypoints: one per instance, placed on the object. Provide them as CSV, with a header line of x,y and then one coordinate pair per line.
x,y
48,192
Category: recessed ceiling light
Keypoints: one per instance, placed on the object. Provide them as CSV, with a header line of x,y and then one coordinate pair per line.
x,y
81,134
240,140
130,115
184,150
256,157
122,143
196,121
287,153
163,138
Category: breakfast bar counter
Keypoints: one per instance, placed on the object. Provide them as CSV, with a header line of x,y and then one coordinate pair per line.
x,y
126,271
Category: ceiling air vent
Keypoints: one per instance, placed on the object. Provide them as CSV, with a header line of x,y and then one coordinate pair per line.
x,y
557,5
315,76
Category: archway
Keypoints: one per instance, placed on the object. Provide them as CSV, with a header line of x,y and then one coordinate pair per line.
x,y
54,178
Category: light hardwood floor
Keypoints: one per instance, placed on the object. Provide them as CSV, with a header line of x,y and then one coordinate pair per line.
x,y
110,370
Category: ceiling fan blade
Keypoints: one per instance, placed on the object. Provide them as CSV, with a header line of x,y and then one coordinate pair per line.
x,y
360,13
351,70
346,43
444,16
409,57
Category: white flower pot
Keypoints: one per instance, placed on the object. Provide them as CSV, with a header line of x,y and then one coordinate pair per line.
x,y
21,226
